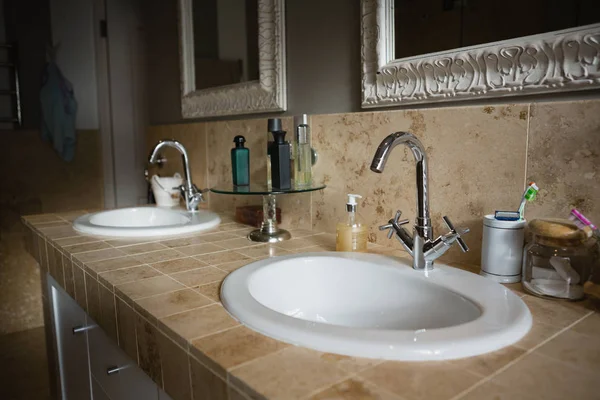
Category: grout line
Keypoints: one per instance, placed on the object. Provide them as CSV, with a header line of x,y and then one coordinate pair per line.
x,y
231,370
513,362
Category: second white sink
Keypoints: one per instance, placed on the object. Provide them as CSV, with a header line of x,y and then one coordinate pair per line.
x,y
375,306
145,221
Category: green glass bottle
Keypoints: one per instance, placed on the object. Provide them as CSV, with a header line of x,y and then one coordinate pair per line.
x,y
240,162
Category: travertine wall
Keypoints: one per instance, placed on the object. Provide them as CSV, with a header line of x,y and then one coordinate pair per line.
x,y
480,159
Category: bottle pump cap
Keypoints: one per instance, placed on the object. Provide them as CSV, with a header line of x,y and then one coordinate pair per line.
x,y
274,125
351,204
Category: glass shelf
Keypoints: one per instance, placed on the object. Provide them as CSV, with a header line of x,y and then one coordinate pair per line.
x,y
268,232
262,189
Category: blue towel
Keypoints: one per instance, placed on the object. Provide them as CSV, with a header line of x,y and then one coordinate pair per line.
x,y
59,109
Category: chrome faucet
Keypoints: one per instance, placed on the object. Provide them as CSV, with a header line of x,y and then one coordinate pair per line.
x,y
421,246
189,191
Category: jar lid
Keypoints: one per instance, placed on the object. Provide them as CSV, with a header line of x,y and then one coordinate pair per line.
x,y
556,232
491,221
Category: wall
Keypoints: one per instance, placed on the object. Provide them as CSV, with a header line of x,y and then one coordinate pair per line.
x,y
73,33
480,159
35,180
323,58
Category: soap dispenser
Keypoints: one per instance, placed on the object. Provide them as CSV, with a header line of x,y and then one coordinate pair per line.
x,y
280,161
351,235
240,162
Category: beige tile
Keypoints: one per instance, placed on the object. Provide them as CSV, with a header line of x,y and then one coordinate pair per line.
x,y
295,244
200,321
108,316
492,391
314,249
120,276
235,394
222,257
128,241
235,346
212,291
98,255
112,264
126,328
175,369
464,188
232,266
180,242
590,326
238,243
149,287
427,380
142,248
79,284
93,297
291,373
538,333
173,302
205,383
76,240
200,276
178,265
548,379
158,256
149,356
81,248
199,249
552,312
68,274
218,237
577,350
264,251
348,363
354,389
487,364
563,158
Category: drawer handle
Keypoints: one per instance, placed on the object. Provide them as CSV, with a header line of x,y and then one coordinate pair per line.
x,y
81,329
114,370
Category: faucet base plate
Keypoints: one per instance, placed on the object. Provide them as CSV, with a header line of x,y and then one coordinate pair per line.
x,y
262,236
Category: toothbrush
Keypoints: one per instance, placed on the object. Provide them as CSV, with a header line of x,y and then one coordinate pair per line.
x,y
582,222
528,195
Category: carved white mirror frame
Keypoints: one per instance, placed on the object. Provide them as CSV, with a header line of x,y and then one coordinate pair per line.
x,y
265,95
560,61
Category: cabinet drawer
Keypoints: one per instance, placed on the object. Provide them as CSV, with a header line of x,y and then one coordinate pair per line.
x,y
118,375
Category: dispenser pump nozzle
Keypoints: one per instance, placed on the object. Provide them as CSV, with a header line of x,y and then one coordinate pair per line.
x,y
352,202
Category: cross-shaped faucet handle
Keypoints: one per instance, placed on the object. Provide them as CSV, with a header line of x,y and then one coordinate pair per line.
x,y
394,224
459,233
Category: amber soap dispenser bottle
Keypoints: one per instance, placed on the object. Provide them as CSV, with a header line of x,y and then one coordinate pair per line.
x,y
351,235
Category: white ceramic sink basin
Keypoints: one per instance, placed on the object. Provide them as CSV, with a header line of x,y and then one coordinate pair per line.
x,y
369,305
145,221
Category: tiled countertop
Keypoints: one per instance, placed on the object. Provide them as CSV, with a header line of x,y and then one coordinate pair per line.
x,y
159,300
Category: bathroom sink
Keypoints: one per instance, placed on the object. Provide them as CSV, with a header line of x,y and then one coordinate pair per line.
x,y
145,221
375,306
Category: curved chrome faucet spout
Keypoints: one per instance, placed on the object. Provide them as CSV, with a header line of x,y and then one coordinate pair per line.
x,y
190,192
421,246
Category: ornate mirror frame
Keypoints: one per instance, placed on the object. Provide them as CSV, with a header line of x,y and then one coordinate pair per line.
x,y
560,61
268,94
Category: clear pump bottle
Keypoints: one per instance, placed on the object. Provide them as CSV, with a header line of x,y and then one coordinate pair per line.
x,y
351,235
303,154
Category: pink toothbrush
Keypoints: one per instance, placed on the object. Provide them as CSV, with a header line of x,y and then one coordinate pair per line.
x,y
582,222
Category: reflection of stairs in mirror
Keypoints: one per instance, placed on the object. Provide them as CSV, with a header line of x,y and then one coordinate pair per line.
x,y
10,100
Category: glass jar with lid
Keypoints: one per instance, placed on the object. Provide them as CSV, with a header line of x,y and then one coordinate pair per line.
x,y
558,260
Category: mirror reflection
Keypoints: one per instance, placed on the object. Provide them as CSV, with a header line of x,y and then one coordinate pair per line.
x,y
225,42
429,26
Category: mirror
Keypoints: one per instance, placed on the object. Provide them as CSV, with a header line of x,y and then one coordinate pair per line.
x,y
425,51
430,26
232,57
225,42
